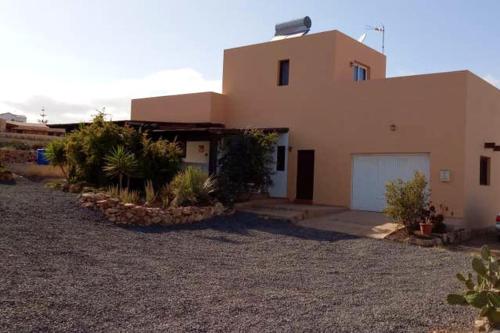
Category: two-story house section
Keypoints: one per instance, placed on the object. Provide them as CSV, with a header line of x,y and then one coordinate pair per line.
x,y
345,129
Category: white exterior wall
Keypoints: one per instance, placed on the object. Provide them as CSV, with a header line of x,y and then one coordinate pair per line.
x,y
279,188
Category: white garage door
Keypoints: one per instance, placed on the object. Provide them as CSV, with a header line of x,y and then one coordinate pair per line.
x,y
370,173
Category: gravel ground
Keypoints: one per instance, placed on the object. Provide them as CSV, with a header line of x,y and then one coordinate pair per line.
x,y
63,268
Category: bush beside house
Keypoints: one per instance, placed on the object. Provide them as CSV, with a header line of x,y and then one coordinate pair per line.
x,y
245,165
408,203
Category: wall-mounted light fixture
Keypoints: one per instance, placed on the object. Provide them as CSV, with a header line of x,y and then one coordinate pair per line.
x,y
393,127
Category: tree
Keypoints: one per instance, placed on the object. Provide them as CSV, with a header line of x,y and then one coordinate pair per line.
x,y
120,163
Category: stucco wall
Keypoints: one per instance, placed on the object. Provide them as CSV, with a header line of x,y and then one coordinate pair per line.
x,y
482,125
447,115
328,112
196,107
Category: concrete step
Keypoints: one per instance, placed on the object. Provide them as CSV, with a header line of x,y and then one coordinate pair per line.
x,y
256,203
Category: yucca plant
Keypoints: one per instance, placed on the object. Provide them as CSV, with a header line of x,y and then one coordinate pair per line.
x,y
192,186
120,163
166,196
129,196
149,190
113,191
483,292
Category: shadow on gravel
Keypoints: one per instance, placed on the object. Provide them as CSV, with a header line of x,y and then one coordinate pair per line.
x,y
243,223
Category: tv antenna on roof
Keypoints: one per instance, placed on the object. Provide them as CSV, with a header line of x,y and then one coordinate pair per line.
x,y
380,28
43,115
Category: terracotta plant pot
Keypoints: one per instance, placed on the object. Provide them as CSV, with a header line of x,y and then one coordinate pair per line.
x,y
426,228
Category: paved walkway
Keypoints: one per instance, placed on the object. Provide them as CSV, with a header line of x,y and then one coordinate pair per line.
x,y
357,223
326,218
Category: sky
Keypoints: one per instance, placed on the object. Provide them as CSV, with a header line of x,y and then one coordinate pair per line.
x,y
73,57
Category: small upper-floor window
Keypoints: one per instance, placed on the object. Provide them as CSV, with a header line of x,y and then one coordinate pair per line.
x,y
284,68
360,72
484,170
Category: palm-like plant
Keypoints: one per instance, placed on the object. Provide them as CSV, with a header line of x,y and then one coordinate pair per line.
x,y
55,152
120,163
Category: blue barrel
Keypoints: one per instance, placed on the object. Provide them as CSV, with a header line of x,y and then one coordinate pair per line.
x,y
40,157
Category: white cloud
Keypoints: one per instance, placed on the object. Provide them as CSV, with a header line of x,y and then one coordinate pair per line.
x,y
73,101
493,80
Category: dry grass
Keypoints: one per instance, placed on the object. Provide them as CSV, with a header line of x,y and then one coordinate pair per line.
x,y
35,171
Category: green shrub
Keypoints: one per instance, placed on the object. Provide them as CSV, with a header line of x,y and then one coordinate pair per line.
x,y
88,150
159,161
246,165
406,201
87,147
191,187
484,294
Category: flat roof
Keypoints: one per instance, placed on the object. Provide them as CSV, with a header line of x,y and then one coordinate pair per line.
x,y
174,127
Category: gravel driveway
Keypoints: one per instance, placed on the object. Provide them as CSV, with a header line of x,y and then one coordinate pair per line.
x,y
63,268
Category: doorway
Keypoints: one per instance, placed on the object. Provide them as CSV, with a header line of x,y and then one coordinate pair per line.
x,y
305,175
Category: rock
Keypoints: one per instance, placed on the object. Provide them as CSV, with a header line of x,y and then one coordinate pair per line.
x,y
166,219
6,177
481,325
88,189
87,196
75,188
219,208
111,211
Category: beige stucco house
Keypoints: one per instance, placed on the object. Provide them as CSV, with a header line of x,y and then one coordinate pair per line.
x,y
346,129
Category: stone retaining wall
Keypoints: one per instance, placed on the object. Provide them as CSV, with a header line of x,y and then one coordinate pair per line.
x,y
452,237
17,156
132,214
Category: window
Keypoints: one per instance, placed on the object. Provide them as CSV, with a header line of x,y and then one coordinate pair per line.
x,y
360,73
280,161
484,170
284,68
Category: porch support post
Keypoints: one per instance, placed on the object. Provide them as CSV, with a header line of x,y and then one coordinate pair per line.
x,y
212,158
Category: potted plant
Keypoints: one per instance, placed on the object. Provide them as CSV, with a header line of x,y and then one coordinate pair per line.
x,y
426,227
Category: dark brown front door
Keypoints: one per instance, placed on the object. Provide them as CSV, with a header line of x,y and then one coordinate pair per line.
x,y
305,174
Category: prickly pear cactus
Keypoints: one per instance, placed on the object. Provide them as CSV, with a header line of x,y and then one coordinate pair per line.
x,y
482,293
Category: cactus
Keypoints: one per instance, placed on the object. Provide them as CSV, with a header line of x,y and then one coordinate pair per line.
x,y
484,292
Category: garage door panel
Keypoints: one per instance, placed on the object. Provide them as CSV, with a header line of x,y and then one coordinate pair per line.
x,y
371,172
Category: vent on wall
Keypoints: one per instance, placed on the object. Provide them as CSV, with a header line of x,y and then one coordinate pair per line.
x,y
293,28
